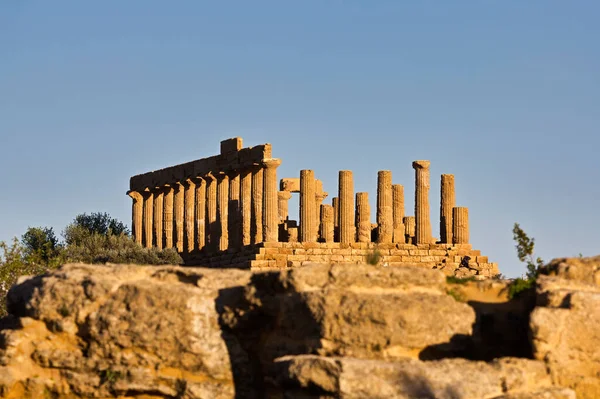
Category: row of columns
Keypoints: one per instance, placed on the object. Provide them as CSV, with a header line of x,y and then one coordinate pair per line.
x,y
346,221
215,211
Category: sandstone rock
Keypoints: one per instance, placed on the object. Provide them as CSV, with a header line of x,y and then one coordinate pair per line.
x,y
566,331
315,376
99,331
546,393
586,270
354,310
317,331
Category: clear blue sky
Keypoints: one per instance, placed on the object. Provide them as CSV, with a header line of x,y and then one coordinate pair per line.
x,y
504,94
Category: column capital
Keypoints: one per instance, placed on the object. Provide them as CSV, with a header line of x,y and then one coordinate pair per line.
x,y
147,192
284,195
421,164
135,195
198,180
209,177
321,196
271,162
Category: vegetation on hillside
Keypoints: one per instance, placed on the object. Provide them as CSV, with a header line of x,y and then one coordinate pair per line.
x,y
94,238
525,252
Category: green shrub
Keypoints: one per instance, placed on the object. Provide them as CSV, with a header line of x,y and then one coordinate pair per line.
x,y
14,264
94,238
96,248
519,286
458,280
374,257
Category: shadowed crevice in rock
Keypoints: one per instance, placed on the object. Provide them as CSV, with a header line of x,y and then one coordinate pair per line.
x,y
258,326
500,330
20,295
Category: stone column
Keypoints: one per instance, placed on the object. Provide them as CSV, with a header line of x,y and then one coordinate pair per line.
x,y
246,206
409,229
179,216
319,194
190,214
136,215
168,216
385,210
326,226
308,204
148,216
423,221
335,203
200,213
235,234
398,200
212,230
257,205
283,198
270,213
320,197
346,198
448,201
363,218
223,210
158,218
460,225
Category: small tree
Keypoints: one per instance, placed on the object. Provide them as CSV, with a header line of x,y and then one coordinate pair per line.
x,y
40,245
98,223
525,246
525,251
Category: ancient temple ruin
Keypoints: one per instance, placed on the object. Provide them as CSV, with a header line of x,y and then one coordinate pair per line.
x,y
231,211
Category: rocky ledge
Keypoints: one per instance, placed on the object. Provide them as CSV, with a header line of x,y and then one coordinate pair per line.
x,y
326,331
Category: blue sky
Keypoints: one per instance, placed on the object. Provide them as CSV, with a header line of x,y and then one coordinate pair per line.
x,y
504,94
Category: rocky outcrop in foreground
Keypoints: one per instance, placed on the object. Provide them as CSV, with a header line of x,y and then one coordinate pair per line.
x,y
329,331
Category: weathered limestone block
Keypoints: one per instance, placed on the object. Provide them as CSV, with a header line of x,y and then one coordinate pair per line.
x,y
422,212
308,211
158,218
363,217
257,205
190,215
200,213
149,332
246,206
234,213
346,207
460,225
293,234
586,270
363,310
398,210
270,212
385,215
136,215
168,216
326,227
409,228
211,213
291,184
179,211
231,145
223,211
348,377
565,330
283,198
148,218
447,202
